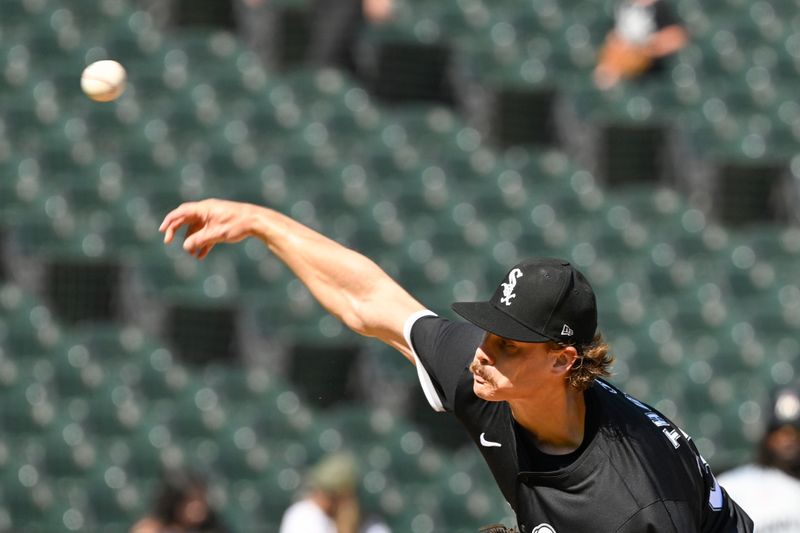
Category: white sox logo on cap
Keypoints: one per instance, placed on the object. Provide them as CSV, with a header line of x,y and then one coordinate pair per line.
x,y
508,288
543,528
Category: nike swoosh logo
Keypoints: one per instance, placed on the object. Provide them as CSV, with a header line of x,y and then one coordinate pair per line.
x,y
488,443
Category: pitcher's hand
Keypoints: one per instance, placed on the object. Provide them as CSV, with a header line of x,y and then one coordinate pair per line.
x,y
209,222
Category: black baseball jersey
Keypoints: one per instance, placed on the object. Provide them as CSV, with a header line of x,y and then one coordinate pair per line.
x,y
635,472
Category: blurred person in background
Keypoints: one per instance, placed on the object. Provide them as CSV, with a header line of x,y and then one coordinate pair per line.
x,y
330,503
769,489
645,33
333,28
181,505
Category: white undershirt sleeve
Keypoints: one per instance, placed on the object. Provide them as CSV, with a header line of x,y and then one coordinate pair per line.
x,y
424,379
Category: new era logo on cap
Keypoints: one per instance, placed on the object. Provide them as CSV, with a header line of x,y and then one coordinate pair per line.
x,y
538,300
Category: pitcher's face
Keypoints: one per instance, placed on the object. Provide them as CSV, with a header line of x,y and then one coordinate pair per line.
x,y
504,369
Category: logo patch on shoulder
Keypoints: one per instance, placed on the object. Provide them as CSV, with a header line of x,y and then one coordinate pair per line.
x,y
543,528
716,499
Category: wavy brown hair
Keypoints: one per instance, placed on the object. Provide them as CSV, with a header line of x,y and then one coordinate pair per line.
x,y
594,361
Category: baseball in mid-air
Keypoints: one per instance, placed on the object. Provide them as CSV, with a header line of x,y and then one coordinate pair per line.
x,y
103,81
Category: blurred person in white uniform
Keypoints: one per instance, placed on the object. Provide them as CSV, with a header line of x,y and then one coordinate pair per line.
x,y
769,489
330,503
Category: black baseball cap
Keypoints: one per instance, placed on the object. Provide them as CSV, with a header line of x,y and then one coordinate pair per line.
x,y
539,300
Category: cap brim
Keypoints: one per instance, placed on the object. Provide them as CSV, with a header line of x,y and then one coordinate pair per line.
x,y
487,317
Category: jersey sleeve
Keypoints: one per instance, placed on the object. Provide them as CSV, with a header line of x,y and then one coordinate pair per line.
x,y
660,517
729,517
723,515
442,350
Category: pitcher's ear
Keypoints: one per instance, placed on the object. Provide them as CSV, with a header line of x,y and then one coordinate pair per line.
x,y
564,357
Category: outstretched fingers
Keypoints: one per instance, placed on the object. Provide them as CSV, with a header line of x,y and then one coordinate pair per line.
x,y
199,238
170,229
175,219
203,230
